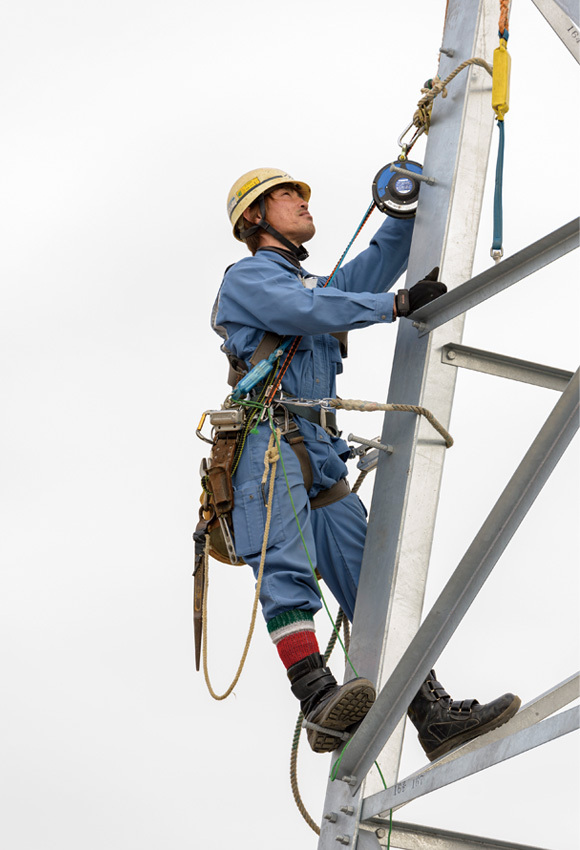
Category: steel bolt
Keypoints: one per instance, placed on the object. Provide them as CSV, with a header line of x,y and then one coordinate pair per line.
x,y
350,780
348,810
343,839
331,816
448,51
451,355
380,832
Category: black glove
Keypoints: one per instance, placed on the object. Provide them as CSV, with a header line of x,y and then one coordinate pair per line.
x,y
409,300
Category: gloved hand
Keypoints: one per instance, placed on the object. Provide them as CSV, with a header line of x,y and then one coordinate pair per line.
x,y
409,300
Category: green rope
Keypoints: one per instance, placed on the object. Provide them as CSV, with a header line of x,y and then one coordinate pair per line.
x,y
336,765
305,546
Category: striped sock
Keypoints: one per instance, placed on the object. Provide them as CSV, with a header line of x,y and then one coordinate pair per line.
x,y
293,635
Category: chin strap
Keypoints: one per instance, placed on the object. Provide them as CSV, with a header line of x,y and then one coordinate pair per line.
x,y
299,251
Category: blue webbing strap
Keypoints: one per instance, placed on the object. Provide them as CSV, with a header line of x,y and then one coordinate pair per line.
x,y
496,245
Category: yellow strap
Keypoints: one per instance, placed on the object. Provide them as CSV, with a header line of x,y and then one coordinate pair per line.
x,y
500,87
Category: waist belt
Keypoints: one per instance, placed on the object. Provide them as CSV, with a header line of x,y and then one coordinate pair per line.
x,y
325,418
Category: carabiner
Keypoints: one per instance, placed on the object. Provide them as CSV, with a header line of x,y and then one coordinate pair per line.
x,y
407,147
404,133
200,426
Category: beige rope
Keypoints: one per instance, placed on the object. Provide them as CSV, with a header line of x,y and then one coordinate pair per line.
x,y
361,477
270,461
422,116
370,406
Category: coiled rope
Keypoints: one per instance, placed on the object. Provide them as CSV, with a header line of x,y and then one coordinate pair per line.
x,y
422,115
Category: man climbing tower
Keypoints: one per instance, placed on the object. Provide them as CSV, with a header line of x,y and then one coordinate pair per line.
x,y
267,298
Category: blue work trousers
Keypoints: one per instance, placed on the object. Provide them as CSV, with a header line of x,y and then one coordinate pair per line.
x,y
334,535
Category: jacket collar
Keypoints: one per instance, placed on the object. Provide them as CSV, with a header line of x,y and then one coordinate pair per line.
x,y
283,253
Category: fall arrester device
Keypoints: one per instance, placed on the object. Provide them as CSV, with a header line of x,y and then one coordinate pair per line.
x,y
396,188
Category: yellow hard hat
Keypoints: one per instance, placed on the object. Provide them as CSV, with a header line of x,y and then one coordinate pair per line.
x,y
254,183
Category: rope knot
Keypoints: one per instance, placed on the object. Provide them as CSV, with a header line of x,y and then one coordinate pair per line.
x,y
272,454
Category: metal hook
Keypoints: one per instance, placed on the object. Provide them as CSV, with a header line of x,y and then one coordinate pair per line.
x,y
404,133
407,147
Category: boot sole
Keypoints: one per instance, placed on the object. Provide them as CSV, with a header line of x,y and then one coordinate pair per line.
x,y
346,711
476,731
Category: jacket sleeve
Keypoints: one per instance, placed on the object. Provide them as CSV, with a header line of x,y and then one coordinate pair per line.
x,y
262,294
378,267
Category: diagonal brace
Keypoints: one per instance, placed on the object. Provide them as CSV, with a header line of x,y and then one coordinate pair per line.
x,y
533,712
463,586
407,790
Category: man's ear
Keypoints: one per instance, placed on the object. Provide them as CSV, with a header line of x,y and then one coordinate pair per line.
x,y
252,214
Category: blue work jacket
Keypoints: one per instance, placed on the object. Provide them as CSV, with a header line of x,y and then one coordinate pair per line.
x,y
266,292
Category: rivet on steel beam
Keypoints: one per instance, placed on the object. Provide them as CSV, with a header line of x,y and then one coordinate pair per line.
x,y
380,832
348,810
451,355
331,816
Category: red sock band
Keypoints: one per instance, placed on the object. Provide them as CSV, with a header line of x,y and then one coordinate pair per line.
x,y
297,646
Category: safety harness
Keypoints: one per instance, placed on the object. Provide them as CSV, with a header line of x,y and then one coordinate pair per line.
x,y
284,413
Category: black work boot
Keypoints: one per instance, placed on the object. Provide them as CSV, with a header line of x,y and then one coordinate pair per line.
x,y
444,724
325,704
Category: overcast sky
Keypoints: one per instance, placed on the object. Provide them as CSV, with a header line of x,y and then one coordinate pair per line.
x,y
124,125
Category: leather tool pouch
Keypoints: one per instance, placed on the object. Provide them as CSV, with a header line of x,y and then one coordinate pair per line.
x,y
218,500
219,471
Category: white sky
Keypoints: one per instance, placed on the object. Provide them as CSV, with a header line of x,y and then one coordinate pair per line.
x,y
125,124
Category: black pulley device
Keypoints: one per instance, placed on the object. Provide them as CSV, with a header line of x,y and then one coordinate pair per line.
x,y
397,194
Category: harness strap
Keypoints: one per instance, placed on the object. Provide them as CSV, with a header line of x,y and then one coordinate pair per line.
x,y
335,493
342,337
268,344
296,442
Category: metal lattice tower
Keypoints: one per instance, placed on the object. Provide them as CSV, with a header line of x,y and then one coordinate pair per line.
x,y
406,491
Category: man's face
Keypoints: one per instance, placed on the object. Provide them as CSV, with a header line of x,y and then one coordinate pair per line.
x,y
287,212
